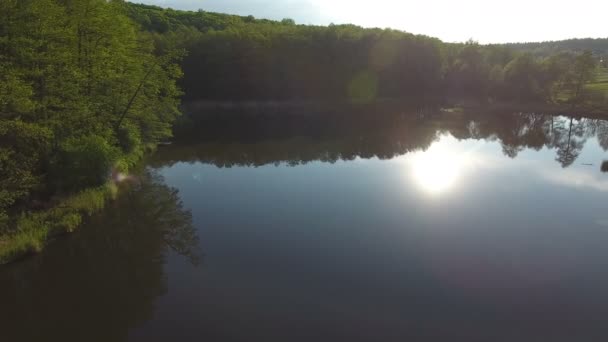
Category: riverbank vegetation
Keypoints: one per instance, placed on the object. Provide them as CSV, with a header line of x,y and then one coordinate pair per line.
x,y
82,90
32,230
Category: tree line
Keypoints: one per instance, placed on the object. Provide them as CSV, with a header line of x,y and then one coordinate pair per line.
x,y
599,47
244,58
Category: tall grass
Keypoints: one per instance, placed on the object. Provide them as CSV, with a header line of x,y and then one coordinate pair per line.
x,y
35,229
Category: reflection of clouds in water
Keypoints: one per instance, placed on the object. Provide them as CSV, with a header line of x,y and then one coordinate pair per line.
x,y
450,162
577,179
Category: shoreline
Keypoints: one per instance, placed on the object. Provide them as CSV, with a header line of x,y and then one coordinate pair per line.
x,y
36,229
547,108
490,107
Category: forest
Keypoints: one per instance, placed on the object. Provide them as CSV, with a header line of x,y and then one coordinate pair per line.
x,y
87,87
243,58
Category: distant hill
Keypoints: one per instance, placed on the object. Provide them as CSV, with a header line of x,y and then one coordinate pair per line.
x,y
598,46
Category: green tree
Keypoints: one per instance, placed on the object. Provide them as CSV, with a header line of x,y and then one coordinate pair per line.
x,y
522,76
584,71
23,149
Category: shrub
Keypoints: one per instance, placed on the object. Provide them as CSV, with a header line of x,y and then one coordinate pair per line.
x,y
22,150
83,162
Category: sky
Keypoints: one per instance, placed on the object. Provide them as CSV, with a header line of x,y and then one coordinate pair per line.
x,y
486,21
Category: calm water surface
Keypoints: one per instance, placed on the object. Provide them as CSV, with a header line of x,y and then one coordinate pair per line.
x,y
438,227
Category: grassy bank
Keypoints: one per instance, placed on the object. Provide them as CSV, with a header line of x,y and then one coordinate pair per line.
x,y
35,229
599,86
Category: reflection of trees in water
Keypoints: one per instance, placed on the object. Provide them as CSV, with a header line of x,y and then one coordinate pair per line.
x,y
570,141
297,139
383,137
104,280
517,132
162,207
602,134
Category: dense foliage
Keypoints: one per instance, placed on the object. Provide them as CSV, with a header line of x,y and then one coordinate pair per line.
x,y
243,58
81,89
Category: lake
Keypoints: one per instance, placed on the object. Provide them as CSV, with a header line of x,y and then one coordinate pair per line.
x,y
425,226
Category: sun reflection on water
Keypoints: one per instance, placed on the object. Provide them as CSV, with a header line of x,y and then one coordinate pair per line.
x,y
441,168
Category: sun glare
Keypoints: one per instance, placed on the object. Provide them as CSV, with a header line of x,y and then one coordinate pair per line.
x,y
439,169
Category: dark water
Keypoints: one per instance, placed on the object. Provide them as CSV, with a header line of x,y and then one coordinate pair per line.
x,y
422,227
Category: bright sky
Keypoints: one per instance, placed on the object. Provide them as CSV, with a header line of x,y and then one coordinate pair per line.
x,y
487,21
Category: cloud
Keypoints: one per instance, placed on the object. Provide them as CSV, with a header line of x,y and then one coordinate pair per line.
x,y
580,179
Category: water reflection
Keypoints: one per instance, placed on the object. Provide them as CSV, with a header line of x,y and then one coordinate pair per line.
x,y
437,164
297,140
441,167
104,280
427,226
